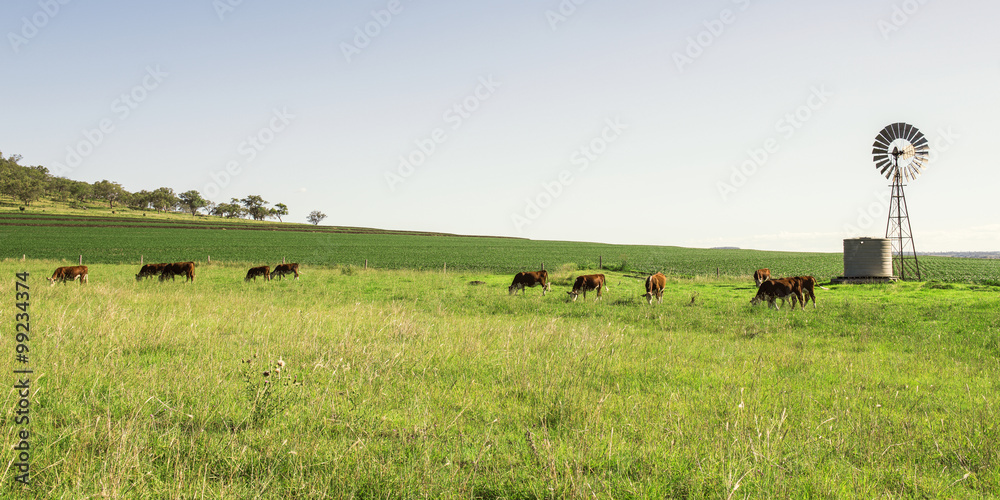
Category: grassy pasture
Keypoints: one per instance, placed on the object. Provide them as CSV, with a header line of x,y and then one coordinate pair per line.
x,y
118,241
404,383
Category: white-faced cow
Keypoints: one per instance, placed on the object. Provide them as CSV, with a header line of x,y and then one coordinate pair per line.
x,y
761,275
586,283
784,288
150,270
171,270
281,270
262,271
530,279
654,287
71,273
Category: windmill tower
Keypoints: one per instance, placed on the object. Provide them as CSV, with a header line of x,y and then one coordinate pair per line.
x,y
901,152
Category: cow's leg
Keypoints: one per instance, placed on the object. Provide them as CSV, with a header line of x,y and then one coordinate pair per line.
x,y
83,279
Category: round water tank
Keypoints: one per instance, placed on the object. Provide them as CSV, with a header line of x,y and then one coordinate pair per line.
x,y
867,258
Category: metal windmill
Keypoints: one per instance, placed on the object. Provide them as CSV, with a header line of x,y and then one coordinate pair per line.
x,y
901,151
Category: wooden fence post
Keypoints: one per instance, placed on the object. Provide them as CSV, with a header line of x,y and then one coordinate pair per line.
x,y
81,259
600,262
366,263
140,260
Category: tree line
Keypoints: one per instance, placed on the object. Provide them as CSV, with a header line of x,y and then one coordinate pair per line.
x,y
30,184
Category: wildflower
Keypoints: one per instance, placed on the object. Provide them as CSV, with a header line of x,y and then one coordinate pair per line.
x,y
281,362
267,374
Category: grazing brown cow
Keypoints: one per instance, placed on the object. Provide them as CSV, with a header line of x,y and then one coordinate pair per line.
x,y
281,270
530,279
587,283
807,284
783,288
71,273
150,270
171,270
761,275
264,271
654,287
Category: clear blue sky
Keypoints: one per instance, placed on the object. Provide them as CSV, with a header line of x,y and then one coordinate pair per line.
x,y
590,120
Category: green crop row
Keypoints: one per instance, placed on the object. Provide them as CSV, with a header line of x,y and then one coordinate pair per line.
x,y
127,245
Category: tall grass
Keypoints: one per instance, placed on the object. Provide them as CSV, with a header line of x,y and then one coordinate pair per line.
x,y
413,384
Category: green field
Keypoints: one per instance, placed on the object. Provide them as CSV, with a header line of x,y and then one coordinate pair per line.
x,y
412,379
402,384
126,239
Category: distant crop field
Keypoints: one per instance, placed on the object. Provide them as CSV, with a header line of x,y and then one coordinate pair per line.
x,y
114,241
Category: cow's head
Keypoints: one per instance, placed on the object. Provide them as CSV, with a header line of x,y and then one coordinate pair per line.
x,y
649,297
52,281
573,295
511,290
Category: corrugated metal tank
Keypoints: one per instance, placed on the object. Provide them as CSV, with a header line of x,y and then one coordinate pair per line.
x,y
867,258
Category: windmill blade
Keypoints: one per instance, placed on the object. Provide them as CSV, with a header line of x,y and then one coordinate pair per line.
x,y
884,164
911,133
913,171
921,142
904,131
879,146
887,168
897,129
885,137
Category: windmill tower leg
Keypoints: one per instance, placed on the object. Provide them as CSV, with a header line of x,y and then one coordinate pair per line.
x,y
900,234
